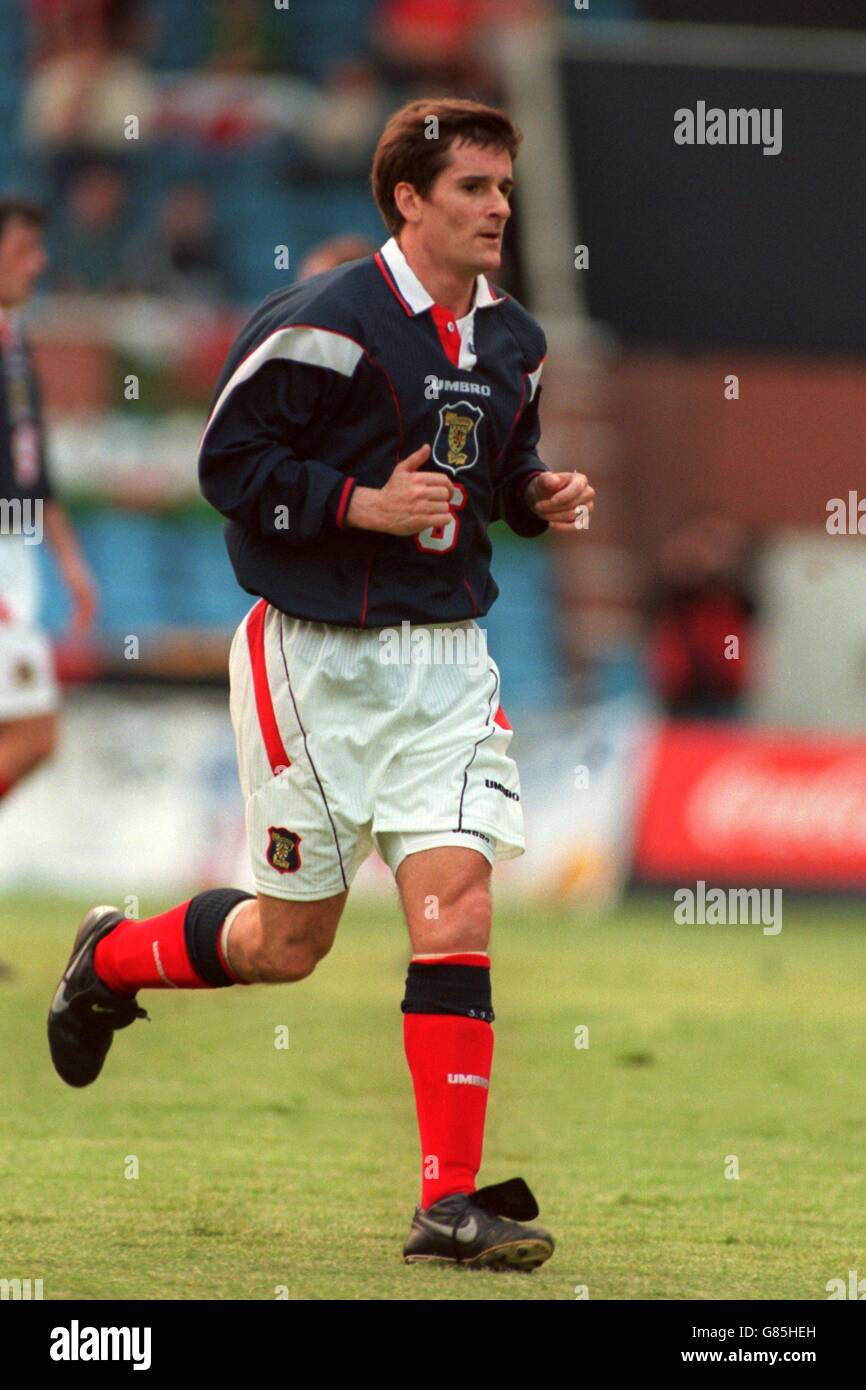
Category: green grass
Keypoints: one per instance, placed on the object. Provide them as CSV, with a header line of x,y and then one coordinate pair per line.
x,y
261,1167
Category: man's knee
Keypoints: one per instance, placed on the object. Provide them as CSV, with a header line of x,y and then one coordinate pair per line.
x,y
461,921
295,936
288,957
470,904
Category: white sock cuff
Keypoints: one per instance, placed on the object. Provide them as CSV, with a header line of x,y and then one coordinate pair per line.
x,y
225,931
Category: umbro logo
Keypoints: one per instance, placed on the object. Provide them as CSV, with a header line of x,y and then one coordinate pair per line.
x,y
498,787
434,386
461,1078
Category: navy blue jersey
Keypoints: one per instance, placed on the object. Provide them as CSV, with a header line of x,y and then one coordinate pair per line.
x,y
328,386
23,472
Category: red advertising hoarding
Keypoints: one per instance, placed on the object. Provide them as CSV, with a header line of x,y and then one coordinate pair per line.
x,y
738,804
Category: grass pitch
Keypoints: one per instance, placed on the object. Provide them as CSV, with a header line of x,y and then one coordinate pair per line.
x,y
260,1169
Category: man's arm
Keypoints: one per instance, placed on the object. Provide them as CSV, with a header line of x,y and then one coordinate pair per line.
x,y
256,464
60,533
72,565
520,465
256,460
529,496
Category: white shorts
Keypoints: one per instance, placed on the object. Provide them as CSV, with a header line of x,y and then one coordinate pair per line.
x,y
27,670
340,752
27,683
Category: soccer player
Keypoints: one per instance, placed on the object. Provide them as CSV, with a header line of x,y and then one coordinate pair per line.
x,y
28,510
368,425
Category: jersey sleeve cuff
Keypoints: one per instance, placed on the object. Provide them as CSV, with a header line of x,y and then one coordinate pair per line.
x,y
519,515
523,483
343,498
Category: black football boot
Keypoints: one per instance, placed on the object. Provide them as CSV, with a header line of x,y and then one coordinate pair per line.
x,y
85,1013
481,1230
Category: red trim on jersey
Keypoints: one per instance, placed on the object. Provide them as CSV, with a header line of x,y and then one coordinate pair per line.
x,y
500,718
277,755
5,612
392,285
367,588
471,595
523,380
450,341
344,500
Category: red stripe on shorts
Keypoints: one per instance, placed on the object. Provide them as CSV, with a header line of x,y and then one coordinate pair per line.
x,y
277,755
501,718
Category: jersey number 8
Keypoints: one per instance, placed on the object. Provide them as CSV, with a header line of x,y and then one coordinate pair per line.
x,y
442,538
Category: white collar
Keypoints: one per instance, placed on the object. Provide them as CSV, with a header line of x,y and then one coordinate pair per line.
x,y
413,293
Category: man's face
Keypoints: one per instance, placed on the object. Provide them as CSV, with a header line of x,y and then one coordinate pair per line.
x,y
466,208
22,261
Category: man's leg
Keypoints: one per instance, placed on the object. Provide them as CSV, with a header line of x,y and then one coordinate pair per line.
x,y
447,1011
449,1046
24,744
218,938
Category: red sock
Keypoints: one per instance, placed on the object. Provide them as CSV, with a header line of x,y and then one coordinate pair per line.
x,y
150,955
439,1049
5,786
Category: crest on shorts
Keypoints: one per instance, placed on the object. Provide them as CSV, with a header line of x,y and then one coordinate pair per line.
x,y
24,673
456,442
283,853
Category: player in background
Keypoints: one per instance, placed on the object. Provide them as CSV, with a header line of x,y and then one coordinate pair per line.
x,y
369,424
337,250
29,511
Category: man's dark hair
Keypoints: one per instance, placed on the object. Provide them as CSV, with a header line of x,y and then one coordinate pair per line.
x,y
407,153
14,208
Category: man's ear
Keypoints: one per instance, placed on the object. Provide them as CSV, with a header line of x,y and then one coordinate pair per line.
x,y
406,201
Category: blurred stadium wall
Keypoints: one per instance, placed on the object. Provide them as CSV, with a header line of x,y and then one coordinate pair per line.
x,y
704,307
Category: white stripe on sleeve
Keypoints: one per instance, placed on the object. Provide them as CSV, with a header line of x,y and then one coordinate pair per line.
x,y
315,347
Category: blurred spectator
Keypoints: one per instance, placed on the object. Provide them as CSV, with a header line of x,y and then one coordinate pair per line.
x,y
346,119
449,42
90,255
336,251
700,641
246,36
180,255
90,76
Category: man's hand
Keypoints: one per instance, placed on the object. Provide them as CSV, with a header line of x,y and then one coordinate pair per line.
x,y
565,500
408,503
